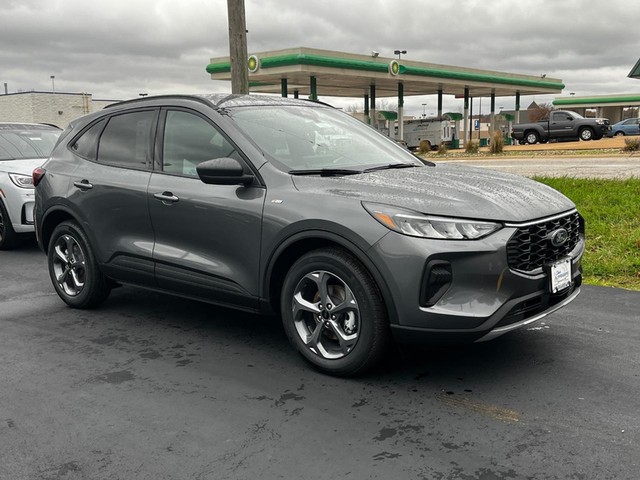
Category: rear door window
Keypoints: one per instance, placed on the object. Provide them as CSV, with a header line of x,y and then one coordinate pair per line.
x,y
126,140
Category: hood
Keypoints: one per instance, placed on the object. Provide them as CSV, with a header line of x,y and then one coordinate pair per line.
x,y
449,190
24,166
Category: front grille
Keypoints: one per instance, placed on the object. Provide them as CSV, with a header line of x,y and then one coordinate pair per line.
x,y
530,248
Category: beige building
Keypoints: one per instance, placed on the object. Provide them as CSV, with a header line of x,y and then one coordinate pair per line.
x,y
47,107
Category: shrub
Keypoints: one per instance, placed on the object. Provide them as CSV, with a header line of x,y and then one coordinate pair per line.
x,y
471,147
497,142
442,148
631,145
425,146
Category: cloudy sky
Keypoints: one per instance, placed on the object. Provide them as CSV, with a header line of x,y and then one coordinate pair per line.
x,y
117,49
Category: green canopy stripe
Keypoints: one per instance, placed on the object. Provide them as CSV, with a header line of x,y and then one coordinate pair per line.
x,y
592,100
383,67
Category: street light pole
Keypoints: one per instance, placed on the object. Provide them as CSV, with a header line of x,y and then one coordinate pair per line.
x,y
399,53
424,110
53,84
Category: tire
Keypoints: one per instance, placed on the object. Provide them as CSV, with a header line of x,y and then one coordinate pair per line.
x,y
333,314
73,269
532,137
618,134
585,134
8,236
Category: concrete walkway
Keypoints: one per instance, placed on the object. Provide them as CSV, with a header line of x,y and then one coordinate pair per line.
x,y
613,167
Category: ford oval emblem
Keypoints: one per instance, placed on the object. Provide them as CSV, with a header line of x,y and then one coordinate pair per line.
x,y
558,237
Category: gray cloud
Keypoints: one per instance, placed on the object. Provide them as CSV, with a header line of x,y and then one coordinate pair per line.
x,y
117,49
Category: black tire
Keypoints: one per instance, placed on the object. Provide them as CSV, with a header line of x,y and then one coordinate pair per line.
x,y
532,137
352,294
586,134
73,269
619,134
8,236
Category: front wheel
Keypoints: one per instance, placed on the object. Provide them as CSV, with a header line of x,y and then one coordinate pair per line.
x,y
619,134
73,269
333,314
8,236
586,134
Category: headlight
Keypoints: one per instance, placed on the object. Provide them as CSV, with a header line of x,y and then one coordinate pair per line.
x,y
600,121
416,224
22,181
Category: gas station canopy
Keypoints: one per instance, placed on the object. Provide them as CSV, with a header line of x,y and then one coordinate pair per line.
x,y
301,70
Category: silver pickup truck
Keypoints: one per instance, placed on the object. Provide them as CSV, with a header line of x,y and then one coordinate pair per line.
x,y
561,125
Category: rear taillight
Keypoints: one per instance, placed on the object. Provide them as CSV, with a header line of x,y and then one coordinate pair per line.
x,y
37,175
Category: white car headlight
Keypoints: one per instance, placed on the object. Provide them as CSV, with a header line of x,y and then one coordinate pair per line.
x,y
20,180
416,224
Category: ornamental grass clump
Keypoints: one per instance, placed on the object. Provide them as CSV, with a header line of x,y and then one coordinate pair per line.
x,y
631,145
497,143
442,149
471,147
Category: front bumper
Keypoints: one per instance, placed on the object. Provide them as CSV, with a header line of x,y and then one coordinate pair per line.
x,y
485,297
20,203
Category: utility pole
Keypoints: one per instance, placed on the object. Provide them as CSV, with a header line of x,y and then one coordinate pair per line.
x,y
238,47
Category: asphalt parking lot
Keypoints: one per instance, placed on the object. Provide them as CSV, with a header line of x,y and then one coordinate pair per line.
x,y
153,387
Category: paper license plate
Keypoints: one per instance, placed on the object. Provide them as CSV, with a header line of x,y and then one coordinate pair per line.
x,y
560,275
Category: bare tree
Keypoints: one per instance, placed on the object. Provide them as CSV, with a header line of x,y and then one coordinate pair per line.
x,y
541,111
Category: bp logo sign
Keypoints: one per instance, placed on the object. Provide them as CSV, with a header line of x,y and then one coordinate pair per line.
x,y
394,67
253,63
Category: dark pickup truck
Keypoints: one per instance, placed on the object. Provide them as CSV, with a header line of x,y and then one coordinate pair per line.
x,y
561,125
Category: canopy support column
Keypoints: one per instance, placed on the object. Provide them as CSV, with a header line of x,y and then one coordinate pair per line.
x,y
283,87
367,119
517,107
465,120
314,88
372,98
492,127
440,104
400,112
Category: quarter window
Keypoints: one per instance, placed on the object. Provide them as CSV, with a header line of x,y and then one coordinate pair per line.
x,y
126,140
190,140
86,145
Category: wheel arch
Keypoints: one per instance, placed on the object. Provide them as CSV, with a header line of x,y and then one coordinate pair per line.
x,y
52,218
299,244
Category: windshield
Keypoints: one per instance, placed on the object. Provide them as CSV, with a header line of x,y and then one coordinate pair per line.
x,y
299,138
22,144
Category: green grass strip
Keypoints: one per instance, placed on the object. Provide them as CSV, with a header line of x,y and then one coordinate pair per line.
x,y
611,209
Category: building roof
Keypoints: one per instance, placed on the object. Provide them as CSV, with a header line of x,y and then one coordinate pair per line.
x,y
635,71
351,75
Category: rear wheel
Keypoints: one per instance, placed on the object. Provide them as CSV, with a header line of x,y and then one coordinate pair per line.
x,y
73,269
8,236
333,314
586,134
531,138
619,134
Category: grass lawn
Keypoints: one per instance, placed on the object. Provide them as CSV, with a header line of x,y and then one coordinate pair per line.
x,y
611,209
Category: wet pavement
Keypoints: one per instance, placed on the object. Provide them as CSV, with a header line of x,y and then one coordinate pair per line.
x,y
154,387
617,167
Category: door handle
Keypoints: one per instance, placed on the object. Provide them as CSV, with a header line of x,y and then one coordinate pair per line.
x,y
166,197
83,185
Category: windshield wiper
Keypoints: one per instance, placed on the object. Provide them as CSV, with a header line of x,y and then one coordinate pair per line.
x,y
325,172
390,166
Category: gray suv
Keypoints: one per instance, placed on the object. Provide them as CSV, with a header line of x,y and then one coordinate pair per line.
x,y
293,207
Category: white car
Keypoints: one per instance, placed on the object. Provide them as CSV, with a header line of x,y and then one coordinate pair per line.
x,y
23,147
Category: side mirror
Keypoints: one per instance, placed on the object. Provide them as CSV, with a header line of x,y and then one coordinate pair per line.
x,y
223,171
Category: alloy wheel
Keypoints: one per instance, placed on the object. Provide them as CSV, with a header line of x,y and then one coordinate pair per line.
x,y
69,265
326,314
